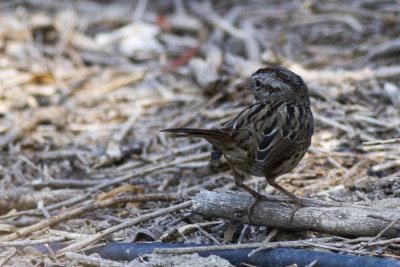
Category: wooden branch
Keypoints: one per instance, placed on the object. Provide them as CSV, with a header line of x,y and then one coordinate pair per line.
x,y
25,198
349,220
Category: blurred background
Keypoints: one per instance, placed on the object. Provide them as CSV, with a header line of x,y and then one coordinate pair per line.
x,y
85,87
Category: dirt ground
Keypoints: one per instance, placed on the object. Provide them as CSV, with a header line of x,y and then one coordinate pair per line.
x,y
86,87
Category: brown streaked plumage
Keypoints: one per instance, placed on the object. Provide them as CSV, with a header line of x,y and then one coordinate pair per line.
x,y
268,138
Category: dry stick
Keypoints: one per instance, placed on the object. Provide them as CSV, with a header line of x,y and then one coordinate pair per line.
x,y
382,142
178,150
357,12
386,165
315,243
349,20
340,76
348,129
4,261
50,252
65,183
66,235
382,49
381,233
138,172
54,114
220,22
33,242
392,123
193,115
65,203
385,242
53,154
24,198
327,246
384,230
88,207
188,229
226,23
205,249
149,169
113,151
353,240
271,245
208,181
267,240
337,154
348,220
110,86
98,236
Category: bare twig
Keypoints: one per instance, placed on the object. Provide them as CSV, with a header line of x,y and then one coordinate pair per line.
x,y
6,259
98,236
382,142
87,207
148,169
205,249
384,231
32,242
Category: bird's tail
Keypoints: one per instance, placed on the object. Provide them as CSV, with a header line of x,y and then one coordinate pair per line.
x,y
219,138
194,132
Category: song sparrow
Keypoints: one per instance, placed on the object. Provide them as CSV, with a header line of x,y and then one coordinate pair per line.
x,y
268,138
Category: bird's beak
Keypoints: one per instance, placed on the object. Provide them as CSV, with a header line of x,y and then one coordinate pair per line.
x,y
245,85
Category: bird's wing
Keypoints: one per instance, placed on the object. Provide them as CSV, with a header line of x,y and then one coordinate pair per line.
x,y
286,135
238,134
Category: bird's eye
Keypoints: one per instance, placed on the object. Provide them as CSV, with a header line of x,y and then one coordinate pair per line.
x,y
258,83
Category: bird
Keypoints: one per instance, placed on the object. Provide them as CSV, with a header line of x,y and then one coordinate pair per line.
x,y
267,138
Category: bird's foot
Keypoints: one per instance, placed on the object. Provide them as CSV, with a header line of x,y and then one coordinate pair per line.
x,y
299,203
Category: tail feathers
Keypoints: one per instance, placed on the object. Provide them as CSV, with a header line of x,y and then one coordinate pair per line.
x,y
219,138
194,132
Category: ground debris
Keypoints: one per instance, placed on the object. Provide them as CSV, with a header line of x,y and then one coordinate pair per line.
x,y
86,87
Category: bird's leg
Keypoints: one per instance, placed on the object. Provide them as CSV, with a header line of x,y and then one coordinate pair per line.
x,y
257,196
253,192
295,198
299,202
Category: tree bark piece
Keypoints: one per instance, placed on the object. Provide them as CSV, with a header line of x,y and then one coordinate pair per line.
x,y
344,221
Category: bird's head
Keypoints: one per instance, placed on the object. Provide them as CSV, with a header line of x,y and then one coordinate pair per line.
x,y
278,83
